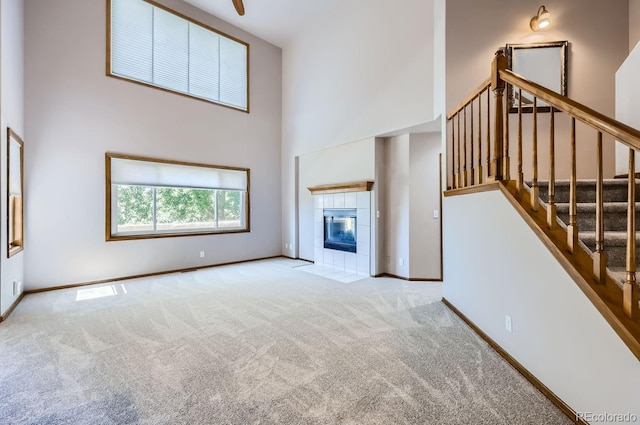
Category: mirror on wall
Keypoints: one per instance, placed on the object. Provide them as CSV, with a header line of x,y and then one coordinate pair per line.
x,y
542,63
15,193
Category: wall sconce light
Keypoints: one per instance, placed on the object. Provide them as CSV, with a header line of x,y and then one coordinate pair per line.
x,y
542,19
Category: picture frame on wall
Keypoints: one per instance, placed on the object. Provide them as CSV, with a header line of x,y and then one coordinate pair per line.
x,y
543,63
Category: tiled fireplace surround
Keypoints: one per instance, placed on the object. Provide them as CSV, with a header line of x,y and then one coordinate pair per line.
x,y
356,263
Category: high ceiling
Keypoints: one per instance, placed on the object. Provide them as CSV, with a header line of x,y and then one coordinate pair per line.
x,y
276,21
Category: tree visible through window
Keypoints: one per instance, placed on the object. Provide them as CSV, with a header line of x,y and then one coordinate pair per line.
x,y
155,198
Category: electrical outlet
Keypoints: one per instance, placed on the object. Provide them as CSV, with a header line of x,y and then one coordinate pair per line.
x,y
377,214
201,254
401,261
290,247
15,288
507,323
388,259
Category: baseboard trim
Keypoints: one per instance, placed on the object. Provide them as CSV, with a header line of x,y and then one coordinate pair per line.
x,y
139,276
564,407
409,279
12,307
304,259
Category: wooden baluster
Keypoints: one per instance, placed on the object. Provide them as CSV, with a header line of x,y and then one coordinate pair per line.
x,y
479,175
551,204
520,180
472,168
459,175
572,228
453,153
599,256
488,133
465,180
505,159
630,287
497,85
535,190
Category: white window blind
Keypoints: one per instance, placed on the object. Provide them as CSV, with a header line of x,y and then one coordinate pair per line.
x,y
149,173
15,172
154,46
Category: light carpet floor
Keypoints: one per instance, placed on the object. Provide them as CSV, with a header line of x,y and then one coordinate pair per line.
x,y
257,343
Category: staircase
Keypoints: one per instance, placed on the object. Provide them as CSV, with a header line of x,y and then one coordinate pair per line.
x,y
490,138
615,218
492,144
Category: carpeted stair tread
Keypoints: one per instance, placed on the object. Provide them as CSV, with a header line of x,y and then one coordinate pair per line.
x,y
614,190
619,207
615,195
587,182
615,215
618,274
615,246
611,238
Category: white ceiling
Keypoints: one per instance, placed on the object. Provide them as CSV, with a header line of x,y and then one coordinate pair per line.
x,y
276,21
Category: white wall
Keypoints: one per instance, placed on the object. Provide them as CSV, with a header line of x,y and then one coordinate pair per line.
x,y
598,35
12,115
350,162
362,72
75,114
495,265
628,89
398,180
439,57
627,105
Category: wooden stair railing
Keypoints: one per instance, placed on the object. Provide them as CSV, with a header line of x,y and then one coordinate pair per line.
x,y
493,138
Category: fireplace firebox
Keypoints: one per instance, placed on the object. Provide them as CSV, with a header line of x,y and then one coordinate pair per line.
x,y
340,229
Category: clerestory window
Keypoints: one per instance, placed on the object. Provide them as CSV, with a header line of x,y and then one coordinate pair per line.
x,y
155,46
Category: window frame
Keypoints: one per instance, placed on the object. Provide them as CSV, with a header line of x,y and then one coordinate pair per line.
x,y
17,244
151,85
109,205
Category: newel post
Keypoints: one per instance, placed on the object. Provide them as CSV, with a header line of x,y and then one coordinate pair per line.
x,y
498,85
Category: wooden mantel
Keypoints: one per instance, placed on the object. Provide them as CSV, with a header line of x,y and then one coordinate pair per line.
x,y
363,186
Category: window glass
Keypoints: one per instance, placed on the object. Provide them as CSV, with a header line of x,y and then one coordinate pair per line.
x,y
155,46
153,198
135,208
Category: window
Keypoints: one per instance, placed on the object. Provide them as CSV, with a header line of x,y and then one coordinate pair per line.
x,y
15,191
155,46
149,198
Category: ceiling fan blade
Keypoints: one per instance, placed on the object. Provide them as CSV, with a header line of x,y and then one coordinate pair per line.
x,y
239,7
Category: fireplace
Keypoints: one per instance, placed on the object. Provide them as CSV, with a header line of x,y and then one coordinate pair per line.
x,y
336,216
340,229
